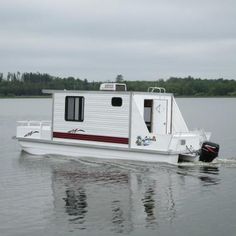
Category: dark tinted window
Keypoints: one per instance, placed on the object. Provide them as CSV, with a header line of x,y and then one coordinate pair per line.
x,y
74,109
116,102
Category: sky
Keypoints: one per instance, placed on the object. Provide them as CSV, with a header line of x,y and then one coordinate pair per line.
x,y
99,39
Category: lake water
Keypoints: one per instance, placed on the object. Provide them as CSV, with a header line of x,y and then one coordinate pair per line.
x,y
50,196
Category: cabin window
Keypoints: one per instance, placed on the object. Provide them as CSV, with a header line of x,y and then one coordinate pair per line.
x,y
74,109
116,102
148,113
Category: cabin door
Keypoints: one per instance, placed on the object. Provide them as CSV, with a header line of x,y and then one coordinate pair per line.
x,y
159,116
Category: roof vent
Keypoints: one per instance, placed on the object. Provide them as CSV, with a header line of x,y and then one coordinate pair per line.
x,y
113,87
156,89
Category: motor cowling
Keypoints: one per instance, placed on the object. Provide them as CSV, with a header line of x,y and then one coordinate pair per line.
x,y
209,151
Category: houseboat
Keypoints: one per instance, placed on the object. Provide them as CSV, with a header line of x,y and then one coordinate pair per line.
x,y
116,124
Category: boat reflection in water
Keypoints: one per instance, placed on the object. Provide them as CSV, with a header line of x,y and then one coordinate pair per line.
x,y
112,196
76,204
121,197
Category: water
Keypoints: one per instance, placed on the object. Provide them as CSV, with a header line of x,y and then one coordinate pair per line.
x,y
51,196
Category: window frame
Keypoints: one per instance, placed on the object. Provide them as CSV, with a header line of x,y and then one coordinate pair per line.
x,y
80,108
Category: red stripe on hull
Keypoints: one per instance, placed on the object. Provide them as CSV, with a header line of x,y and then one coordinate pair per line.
x,y
88,137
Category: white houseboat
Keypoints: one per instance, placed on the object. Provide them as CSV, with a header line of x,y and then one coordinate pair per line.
x,y
115,124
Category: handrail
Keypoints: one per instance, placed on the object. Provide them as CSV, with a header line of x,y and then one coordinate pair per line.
x,y
34,123
156,89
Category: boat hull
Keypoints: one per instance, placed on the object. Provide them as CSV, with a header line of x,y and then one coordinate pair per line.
x,y
45,147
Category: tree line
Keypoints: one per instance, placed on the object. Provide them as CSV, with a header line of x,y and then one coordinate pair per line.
x,y
31,84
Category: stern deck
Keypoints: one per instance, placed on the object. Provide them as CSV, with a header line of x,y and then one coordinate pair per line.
x,y
34,130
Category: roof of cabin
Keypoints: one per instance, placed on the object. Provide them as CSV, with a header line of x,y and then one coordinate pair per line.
x,y
49,91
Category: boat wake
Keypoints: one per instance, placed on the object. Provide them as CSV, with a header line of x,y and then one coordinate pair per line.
x,y
188,168
216,163
123,164
227,162
147,166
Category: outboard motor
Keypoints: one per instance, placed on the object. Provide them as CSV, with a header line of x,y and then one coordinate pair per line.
x,y
209,151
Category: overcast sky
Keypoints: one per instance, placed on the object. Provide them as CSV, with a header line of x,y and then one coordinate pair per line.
x,y
98,39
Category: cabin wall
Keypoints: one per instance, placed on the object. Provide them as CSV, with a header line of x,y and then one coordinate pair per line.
x,y
179,125
103,123
141,138
117,126
138,126
138,100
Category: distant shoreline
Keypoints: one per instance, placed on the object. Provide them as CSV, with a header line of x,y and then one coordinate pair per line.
x,y
28,85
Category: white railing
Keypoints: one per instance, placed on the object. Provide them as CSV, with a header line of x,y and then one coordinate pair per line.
x,y
34,123
34,129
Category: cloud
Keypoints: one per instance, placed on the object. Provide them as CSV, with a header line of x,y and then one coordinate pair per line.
x,y
99,39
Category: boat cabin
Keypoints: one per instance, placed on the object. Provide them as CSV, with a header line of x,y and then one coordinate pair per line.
x,y
115,117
